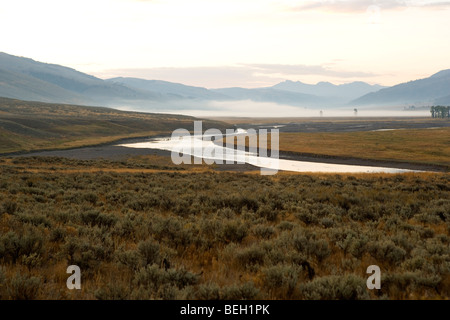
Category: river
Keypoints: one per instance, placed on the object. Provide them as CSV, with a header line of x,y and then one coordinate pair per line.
x,y
206,149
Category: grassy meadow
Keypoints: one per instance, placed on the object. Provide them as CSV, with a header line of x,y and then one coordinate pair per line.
x,y
420,145
31,126
424,146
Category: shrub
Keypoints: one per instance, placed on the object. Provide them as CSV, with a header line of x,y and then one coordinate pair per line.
x,y
281,279
233,231
386,251
22,287
9,207
2,283
167,292
308,245
90,197
181,278
13,247
364,213
345,287
305,216
327,222
247,291
94,217
58,234
397,284
266,211
149,251
168,228
250,258
152,277
87,254
125,228
264,232
35,219
285,225
208,291
131,259
32,261
351,242
113,291
226,213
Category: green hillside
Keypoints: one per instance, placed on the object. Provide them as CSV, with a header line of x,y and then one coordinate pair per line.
x,y
27,126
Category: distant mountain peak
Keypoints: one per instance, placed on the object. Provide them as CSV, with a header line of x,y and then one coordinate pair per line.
x,y
325,83
292,82
339,94
442,73
427,91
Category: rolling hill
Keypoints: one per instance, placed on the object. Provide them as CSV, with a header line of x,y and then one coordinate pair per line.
x,y
428,91
342,93
27,126
18,85
169,90
272,95
24,78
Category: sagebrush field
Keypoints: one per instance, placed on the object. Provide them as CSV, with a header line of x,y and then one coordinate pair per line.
x,y
141,231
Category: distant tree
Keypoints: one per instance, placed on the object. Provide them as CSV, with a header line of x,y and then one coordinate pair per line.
x,y
355,112
321,113
440,111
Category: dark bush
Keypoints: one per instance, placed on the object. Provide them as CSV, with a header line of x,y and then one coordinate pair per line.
x,y
246,291
250,257
131,259
22,287
233,231
94,217
264,232
9,207
307,244
208,291
281,280
58,234
386,251
113,291
268,212
149,250
13,246
345,287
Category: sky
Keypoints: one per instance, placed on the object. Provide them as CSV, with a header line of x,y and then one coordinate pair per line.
x,y
228,43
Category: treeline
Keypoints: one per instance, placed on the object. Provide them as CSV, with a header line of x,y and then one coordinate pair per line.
x,y
440,111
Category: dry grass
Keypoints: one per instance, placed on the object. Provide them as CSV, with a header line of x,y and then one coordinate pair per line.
x,y
431,146
421,145
28,126
226,235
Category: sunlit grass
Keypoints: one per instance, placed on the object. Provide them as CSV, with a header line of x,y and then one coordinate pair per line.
x,y
430,146
27,126
421,145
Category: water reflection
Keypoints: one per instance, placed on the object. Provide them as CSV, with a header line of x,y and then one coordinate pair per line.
x,y
210,151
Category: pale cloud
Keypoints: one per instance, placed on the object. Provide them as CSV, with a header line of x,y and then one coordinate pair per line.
x,y
301,69
355,6
222,43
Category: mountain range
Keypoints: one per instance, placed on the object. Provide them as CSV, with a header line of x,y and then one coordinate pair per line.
x,y
428,91
27,79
